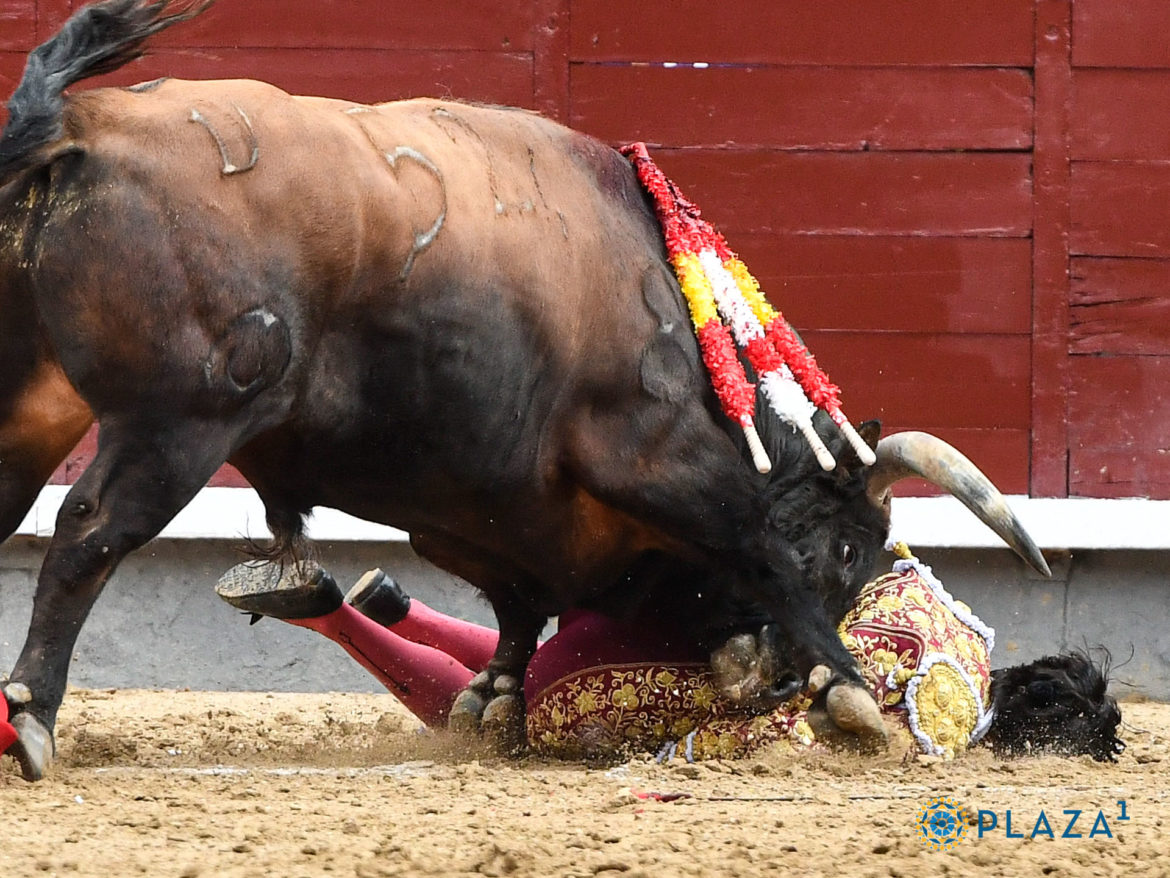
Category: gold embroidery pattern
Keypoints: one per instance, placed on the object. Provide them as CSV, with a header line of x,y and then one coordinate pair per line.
x,y
914,652
600,711
947,712
902,634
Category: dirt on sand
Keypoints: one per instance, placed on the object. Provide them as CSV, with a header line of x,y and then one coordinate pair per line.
x,y
257,784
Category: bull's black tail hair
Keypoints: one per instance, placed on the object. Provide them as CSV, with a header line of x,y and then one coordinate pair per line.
x,y
96,39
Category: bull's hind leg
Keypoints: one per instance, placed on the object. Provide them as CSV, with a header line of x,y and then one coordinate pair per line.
x,y
24,471
136,484
41,421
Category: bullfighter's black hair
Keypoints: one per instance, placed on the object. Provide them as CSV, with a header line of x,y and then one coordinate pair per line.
x,y
1057,704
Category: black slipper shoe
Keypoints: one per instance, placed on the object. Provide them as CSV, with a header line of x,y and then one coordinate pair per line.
x,y
379,597
283,591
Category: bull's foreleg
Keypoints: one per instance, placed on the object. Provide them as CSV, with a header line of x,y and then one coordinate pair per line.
x,y
759,671
135,485
493,701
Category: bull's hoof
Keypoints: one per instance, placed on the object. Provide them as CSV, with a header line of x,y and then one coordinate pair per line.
x,y
746,673
819,678
466,712
849,716
494,706
34,748
16,693
503,724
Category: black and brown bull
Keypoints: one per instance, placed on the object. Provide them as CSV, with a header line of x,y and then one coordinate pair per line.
x,y
458,320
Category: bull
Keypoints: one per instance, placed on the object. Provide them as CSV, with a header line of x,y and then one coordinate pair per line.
x,y
455,319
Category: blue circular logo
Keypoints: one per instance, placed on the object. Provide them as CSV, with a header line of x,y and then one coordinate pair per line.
x,y
942,823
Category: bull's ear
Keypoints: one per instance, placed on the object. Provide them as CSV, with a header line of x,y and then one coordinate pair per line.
x,y
847,460
870,431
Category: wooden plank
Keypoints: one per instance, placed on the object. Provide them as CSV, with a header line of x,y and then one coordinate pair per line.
x,y
18,25
1121,34
1133,327
808,107
352,74
1120,209
929,381
846,32
51,14
1120,472
1049,367
1121,114
1119,427
1001,454
227,476
1120,402
871,193
1120,306
371,24
1102,281
885,284
948,384
11,68
550,58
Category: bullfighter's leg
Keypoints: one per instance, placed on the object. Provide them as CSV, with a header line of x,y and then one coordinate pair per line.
x,y
424,678
380,598
137,483
700,490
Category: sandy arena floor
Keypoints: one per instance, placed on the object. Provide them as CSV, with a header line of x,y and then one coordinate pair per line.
x,y
230,784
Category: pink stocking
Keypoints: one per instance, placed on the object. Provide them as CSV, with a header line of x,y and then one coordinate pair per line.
x,y
473,645
423,678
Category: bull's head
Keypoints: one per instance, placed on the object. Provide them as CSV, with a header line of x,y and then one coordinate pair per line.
x,y
835,524
839,521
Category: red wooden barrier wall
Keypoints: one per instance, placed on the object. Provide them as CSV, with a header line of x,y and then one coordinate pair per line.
x,y
964,207
1119,244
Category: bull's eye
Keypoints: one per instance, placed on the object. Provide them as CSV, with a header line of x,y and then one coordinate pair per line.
x,y
848,556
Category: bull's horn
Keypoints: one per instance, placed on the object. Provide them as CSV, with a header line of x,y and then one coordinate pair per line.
x,y
904,455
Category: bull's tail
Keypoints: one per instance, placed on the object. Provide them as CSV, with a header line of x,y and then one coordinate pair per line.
x,y
96,39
